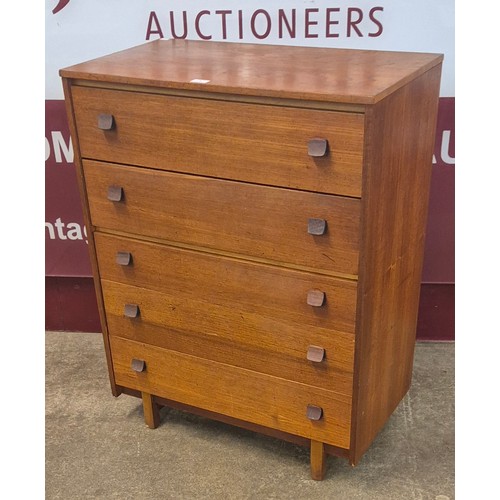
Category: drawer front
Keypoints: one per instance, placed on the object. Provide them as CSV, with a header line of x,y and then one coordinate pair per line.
x,y
246,286
258,221
248,142
243,394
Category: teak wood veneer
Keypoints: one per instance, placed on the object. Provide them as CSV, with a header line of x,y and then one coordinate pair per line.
x,y
257,238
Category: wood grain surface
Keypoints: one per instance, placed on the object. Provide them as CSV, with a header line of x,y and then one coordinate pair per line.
x,y
243,394
251,220
254,143
399,145
341,75
151,411
318,460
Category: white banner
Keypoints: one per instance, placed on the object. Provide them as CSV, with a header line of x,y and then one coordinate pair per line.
x,y
79,30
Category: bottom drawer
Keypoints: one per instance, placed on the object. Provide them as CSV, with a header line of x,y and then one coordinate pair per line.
x,y
243,394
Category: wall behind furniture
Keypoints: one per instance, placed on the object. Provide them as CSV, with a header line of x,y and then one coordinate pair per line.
x,y
79,30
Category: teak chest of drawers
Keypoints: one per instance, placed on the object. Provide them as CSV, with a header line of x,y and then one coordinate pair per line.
x,y
256,221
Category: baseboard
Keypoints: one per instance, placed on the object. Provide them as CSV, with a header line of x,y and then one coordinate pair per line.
x,y
436,315
71,305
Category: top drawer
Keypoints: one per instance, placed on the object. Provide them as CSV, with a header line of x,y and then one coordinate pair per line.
x,y
257,143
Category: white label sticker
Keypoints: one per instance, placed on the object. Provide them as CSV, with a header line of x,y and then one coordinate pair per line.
x,y
199,80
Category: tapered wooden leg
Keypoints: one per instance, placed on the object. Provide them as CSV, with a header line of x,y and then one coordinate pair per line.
x,y
151,411
318,460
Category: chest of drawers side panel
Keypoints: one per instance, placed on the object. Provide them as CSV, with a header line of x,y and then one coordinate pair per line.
x,y
67,87
399,140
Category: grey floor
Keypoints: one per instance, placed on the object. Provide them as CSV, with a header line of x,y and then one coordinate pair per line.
x,y
97,446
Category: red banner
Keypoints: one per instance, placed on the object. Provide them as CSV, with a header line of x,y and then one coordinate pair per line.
x,y
439,257
66,247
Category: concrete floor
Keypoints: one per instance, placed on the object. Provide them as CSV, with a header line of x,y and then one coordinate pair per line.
x,y
97,446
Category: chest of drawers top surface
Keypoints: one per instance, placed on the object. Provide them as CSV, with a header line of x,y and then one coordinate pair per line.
x,y
307,73
256,222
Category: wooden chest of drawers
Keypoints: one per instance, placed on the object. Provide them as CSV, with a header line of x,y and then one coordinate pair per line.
x,y
256,220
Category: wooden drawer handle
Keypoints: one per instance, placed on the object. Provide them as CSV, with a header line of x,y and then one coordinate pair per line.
x,y
316,227
123,258
315,354
314,412
131,310
105,121
317,147
115,193
138,365
315,298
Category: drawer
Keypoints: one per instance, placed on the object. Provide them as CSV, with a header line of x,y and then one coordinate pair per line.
x,y
258,221
249,142
243,394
